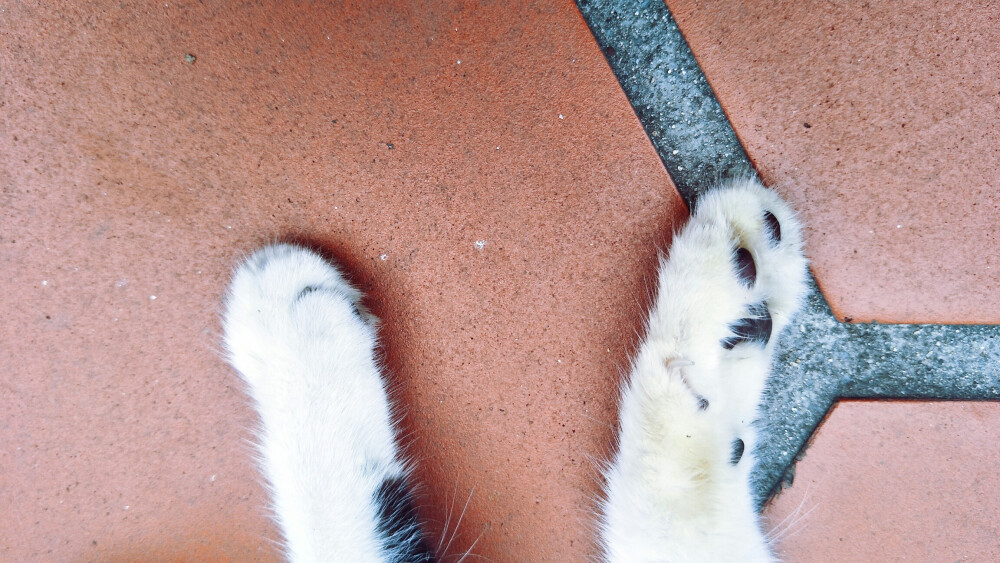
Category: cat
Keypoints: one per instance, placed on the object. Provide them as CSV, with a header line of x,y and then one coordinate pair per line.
x,y
676,490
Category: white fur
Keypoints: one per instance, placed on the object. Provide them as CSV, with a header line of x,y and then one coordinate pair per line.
x,y
296,332
327,441
672,493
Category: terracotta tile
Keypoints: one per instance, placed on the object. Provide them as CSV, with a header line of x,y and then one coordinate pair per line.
x,y
896,481
881,123
134,175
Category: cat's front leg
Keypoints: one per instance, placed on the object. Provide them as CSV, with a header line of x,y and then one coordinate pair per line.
x,y
678,487
299,337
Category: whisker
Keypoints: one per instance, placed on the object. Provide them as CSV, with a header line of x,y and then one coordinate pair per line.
x,y
783,528
460,516
447,520
469,551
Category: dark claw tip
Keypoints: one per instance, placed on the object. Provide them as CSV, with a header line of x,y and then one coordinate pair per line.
x,y
755,328
773,226
738,447
746,270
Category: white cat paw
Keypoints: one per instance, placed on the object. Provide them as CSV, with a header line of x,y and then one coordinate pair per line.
x,y
298,335
768,264
288,303
734,277
766,239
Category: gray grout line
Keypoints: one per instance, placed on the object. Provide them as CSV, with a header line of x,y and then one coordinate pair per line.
x,y
668,92
819,359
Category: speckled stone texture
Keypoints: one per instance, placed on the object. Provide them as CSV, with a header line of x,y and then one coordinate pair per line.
x,y
478,172
881,124
668,91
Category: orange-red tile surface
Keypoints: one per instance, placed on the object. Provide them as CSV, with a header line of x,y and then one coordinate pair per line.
x,y
134,175
896,481
881,123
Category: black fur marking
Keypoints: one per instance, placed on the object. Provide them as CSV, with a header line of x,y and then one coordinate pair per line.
x,y
772,226
738,447
355,306
702,403
746,270
398,525
356,309
755,328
